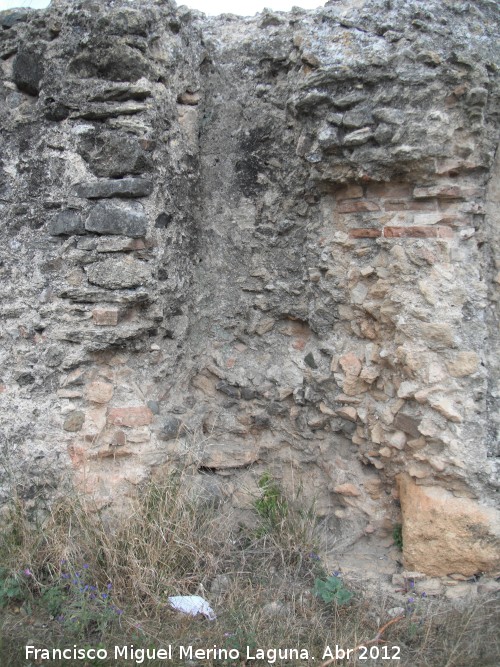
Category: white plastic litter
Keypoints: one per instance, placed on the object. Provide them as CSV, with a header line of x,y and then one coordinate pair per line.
x,y
192,605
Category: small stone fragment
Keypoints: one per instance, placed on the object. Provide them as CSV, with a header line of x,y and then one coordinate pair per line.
x,y
100,392
358,137
408,424
154,406
228,389
310,361
74,421
441,335
220,455
445,407
350,364
172,428
347,490
105,316
191,99
397,440
393,612
465,363
348,412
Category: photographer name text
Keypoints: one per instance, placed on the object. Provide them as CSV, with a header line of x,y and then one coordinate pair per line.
x,y
270,656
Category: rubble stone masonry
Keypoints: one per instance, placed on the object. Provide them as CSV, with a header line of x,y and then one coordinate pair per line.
x,y
248,244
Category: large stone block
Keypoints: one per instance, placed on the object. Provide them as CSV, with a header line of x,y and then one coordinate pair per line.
x,y
10,17
220,455
116,218
443,534
114,61
113,155
28,71
122,187
118,273
67,223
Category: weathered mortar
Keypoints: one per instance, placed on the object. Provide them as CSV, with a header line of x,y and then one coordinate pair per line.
x,y
252,244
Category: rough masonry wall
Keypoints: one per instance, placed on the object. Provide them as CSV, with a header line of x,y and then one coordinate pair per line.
x,y
242,245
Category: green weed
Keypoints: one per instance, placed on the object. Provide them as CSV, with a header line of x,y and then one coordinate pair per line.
x,y
397,536
332,590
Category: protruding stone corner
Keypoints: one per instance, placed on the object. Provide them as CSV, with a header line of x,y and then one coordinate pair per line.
x,y
444,534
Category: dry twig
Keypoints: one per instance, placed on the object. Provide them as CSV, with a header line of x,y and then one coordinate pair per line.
x,y
375,640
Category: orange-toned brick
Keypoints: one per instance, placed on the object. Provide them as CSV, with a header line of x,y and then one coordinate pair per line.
x,y
395,190
447,192
445,232
131,416
357,206
418,232
424,205
410,205
364,233
349,192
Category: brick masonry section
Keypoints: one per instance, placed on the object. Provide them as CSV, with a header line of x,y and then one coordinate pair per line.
x,y
376,199
416,232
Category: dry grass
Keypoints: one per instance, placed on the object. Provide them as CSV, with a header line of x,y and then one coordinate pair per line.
x,y
259,582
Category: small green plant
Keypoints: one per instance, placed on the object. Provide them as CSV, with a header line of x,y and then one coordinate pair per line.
x,y
10,589
53,599
331,590
397,536
272,507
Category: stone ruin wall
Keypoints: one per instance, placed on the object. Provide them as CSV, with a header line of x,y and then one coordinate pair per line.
x,y
242,245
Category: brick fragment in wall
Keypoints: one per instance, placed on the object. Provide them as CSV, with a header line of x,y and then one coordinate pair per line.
x,y
447,192
130,416
418,232
365,233
392,205
357,206
105,316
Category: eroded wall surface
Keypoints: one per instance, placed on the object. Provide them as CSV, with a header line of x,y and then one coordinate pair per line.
x,y
243,245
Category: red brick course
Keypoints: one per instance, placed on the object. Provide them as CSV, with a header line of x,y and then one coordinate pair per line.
x,y
420,232
132,416
405,205
357,206
360,233
390,232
